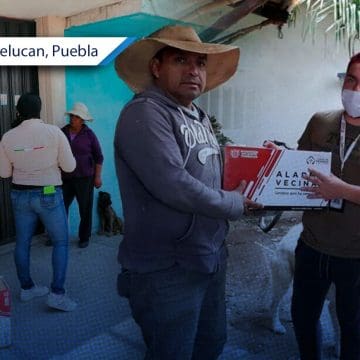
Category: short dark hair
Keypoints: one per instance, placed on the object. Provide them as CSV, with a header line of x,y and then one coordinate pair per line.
x,y
29,106
354,59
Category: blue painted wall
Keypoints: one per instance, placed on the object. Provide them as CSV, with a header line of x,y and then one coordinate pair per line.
x,y
105,95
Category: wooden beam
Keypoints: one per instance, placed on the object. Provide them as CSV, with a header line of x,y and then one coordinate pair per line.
x,y
228,39
244,8
215,4
272,11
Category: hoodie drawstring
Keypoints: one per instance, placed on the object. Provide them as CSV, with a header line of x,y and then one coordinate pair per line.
x,y
187,125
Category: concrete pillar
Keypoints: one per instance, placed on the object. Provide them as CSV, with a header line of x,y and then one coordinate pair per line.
x,y
52,79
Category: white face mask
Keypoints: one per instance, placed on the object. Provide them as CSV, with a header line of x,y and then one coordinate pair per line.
x,y
351,102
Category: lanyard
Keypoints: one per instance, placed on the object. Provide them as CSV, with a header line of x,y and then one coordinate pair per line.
x,y
345,155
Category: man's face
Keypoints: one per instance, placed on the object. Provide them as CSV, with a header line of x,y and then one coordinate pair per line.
x,y
352,78
181,74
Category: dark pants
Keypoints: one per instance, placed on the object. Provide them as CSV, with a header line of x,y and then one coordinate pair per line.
x,y
181,313
314,273
82,189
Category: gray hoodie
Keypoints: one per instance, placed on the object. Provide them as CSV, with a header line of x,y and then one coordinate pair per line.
x,y
168,164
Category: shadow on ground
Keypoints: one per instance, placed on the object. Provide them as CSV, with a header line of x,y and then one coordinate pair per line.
x,y
102,327
249,291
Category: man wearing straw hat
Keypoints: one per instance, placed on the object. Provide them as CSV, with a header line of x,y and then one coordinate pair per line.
x,y
168,165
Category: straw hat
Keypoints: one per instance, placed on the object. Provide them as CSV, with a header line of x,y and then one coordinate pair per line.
x,y
79,109
132,65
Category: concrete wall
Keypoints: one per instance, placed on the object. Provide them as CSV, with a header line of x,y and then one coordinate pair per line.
x,y
278,85
279,82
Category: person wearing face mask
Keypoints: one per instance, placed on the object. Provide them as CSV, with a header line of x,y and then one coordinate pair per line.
x,y
328,251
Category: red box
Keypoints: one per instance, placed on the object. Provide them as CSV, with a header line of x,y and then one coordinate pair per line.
x,y
5,312
274,177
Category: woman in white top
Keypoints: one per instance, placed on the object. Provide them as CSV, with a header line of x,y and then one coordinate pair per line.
x,y
32,154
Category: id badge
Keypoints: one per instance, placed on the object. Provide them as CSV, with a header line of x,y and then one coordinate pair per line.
x,y
336,204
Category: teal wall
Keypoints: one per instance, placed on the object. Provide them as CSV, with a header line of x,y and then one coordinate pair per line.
x,y
105,95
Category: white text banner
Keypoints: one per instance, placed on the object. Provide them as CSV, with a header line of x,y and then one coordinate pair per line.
x,y
61,51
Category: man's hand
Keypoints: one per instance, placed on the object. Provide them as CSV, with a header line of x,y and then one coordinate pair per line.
x,y
327,187
249,205
270,145
97,177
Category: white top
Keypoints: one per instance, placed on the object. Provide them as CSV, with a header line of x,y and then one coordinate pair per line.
x,y
33,152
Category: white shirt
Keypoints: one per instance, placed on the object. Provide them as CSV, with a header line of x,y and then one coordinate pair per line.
x,y
33,152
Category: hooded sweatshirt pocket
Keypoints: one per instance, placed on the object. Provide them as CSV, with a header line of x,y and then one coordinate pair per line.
x,y
189,231
204,236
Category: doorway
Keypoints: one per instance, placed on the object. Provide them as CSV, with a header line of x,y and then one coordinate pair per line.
x,y
14,80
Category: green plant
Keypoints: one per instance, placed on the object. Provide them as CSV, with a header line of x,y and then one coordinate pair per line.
x,y
221,138
344,17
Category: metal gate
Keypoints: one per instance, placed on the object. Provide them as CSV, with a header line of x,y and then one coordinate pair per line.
x,y
13,82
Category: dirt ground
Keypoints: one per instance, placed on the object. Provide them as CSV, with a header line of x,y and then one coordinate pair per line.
x,y
249,292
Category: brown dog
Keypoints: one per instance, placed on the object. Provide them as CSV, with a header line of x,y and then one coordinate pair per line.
x,y
110,223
